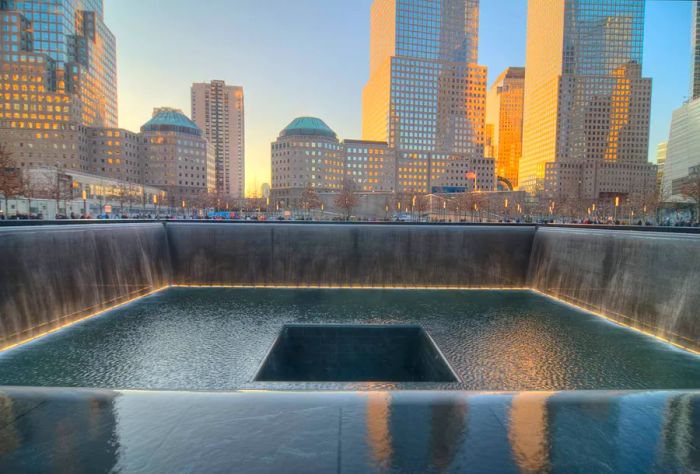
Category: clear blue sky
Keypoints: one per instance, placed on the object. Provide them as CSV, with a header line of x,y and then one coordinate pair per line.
x,y
310,57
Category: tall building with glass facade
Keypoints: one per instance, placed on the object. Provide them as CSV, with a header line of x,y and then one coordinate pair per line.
x,y
504,123
219,111
695,77
79,51
426,93
587,106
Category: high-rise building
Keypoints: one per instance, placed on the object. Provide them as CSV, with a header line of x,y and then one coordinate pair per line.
x,y
79,51
695,77
178,159
219,111
683,151
504,121
587,106
426,93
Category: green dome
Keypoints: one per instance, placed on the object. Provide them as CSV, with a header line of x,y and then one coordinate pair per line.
x,y
168,120
308,126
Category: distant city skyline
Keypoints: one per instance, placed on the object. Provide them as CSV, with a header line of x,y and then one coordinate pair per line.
x,y
318,63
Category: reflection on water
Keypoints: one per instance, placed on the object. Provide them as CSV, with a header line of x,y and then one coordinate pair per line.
x,y
399,432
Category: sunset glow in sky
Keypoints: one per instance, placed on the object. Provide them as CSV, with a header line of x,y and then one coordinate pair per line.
x,y
311,57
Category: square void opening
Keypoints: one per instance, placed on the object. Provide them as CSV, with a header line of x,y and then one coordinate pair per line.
x,y
354,353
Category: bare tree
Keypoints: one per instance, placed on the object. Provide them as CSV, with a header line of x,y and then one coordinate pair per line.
x,y
10,177
309,199
54,185
29,189
347,199
691,189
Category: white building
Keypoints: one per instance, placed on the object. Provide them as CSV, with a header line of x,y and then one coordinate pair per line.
x,y
683,151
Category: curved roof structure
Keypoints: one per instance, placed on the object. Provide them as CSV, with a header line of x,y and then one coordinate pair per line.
x,y
308,126
170,120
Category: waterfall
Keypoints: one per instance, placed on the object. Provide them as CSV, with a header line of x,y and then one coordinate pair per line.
x,y
54,275
647,280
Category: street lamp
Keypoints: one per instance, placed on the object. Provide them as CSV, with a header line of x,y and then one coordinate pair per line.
x,y
85,204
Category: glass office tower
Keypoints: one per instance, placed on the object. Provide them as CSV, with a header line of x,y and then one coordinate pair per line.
x,y
587,106
695,79
426,95
82,51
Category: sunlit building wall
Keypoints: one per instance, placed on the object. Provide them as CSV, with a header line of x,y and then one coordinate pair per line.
x,y
661,153
504,122
370,165
178,159
82,50
585,97
219,111
426,93
116,153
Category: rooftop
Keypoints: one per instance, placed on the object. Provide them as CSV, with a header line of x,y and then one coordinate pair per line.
x,y
308,126
171,120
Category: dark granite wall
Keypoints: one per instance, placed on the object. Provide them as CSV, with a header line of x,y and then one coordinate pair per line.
x,y
342,255
647,280
50,276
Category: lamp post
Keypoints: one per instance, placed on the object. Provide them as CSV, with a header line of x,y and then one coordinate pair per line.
x,y
617,204
85,204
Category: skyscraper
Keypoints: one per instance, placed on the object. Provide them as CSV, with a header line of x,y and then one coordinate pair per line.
x,y
683,149
80,51
695,78
426,94
587,106
504,116
219,111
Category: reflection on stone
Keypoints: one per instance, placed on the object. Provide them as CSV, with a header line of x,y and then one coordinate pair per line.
x,y
70,430
528,431
378,435
9,438
448,431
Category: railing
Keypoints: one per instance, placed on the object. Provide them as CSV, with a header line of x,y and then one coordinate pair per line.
x,y
65,222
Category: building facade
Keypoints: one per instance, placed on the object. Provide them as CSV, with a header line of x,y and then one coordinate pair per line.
x,y
661,154
218,110
504,123
586,102
78,49
178,159
306,153
426,93
117,154
695,49
683,149
370,165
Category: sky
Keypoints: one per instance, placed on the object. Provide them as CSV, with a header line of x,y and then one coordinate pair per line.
x,y
311,57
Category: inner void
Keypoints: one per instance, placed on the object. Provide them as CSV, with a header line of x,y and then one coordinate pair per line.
x,y
217,339
354,353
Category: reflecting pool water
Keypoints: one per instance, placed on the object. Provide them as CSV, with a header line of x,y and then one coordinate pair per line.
x,y
211,339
